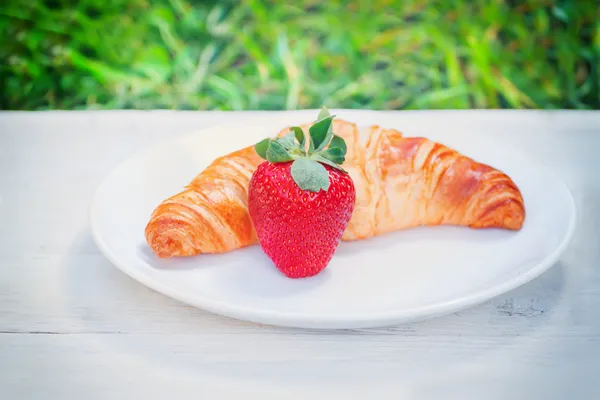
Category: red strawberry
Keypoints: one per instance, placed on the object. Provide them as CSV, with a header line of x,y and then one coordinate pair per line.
x,y
301,200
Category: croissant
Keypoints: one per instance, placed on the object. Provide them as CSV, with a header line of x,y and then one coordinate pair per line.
x,y
401,182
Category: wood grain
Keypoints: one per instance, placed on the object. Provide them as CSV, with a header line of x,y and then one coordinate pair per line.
x,y
73,326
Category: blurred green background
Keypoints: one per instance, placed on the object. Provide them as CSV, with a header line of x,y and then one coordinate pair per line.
x,y
185,54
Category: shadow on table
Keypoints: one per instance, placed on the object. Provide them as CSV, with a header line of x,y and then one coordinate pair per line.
x,y
120,316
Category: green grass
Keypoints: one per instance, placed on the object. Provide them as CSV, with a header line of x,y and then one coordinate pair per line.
x,y
186,54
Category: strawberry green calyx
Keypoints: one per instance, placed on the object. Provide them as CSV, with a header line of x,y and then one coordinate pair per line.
x,y
308,152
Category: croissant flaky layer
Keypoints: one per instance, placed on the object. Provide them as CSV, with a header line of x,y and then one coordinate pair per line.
x,y
401,182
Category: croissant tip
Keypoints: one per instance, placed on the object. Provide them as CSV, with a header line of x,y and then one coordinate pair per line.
x,y
162,246
510,216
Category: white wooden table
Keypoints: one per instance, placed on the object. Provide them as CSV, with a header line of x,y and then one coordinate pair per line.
x,y
72,326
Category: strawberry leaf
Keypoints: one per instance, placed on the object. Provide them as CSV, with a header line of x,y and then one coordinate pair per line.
x,y
327,139
299,133
334,154
311,144
261,148
277,153
320,131
324,113
338,142
287,141
310,175
324,160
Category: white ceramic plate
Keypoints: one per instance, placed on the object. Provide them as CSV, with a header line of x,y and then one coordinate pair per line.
x,y
387,280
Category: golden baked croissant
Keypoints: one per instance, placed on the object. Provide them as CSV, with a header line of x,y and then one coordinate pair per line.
x,y
401,182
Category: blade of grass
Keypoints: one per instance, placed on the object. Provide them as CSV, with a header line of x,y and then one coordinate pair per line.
x,y
292,71
228,90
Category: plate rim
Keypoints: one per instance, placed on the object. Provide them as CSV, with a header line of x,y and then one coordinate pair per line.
x,y
309,321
